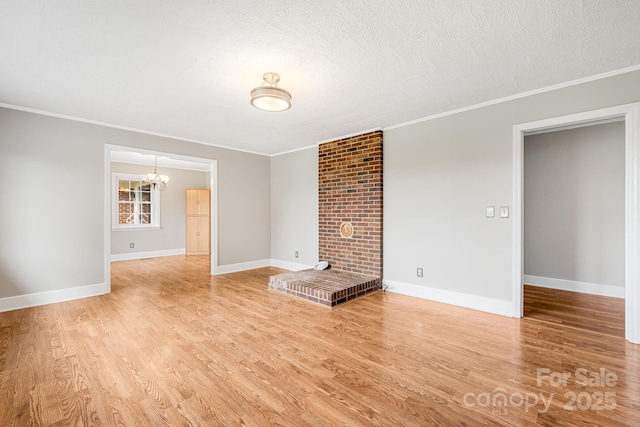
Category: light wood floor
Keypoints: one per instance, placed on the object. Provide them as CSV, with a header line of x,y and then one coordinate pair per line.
x,y
575,310
172,346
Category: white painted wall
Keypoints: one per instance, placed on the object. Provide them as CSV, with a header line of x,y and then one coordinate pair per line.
x,y
440,174
574,204
294,208
171,235
52,234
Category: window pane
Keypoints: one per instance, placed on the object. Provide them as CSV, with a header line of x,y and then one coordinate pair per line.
x,y
145,213
145,196
125,213
123,190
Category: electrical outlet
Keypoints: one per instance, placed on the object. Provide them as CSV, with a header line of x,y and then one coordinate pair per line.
x,y
131,245
297,254
419,271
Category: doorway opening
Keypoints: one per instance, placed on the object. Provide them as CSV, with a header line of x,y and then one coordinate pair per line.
x,y
574,226
630,113
209,166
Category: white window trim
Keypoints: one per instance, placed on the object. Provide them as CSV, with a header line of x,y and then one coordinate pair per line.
x,y
155,204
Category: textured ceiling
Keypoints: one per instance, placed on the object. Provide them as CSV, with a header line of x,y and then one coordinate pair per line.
x,y
185,68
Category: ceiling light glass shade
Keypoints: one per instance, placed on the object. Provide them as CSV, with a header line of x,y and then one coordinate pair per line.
x,y
157,181
269,97
154,177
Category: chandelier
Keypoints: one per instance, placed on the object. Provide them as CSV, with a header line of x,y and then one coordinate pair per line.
x,y
157,181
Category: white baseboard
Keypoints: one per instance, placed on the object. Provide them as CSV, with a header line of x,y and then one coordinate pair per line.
x,y
570,285
150,254
50,297
233,268
489,305
288,265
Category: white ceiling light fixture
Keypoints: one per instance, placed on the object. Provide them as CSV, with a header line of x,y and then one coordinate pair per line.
x,y
157,181
269,97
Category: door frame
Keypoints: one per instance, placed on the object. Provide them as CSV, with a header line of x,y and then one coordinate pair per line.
x,y
631,115
213,186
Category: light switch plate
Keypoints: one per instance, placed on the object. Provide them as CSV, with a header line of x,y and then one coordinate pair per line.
x,y
504,211
491,211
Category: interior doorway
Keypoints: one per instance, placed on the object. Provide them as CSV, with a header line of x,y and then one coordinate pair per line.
x,y
178,161
630,113
574,226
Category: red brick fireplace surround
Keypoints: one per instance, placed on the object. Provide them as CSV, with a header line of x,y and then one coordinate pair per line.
x,y
350,195
350,214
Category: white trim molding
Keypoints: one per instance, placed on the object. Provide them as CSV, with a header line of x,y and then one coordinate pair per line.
x,y
107,217
563,85
475,302
242,266
127,128
149,254
575,286
631,114
213,217
51,297
632,223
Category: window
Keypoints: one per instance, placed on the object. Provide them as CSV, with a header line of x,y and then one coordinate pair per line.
x,y
135,203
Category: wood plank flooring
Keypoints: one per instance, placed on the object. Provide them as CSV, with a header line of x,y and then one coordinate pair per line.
x,y
172,346
575,310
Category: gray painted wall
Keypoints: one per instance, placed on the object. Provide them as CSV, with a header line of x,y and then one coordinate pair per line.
x,y
294,206
50,239
574,204
440,174
171,234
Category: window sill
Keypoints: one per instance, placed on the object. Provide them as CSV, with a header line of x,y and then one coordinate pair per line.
x,y
133,228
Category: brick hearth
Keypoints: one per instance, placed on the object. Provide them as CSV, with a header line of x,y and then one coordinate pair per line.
x,y
327,287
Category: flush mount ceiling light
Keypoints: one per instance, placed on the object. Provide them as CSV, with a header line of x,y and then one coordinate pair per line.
x,y
269,96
